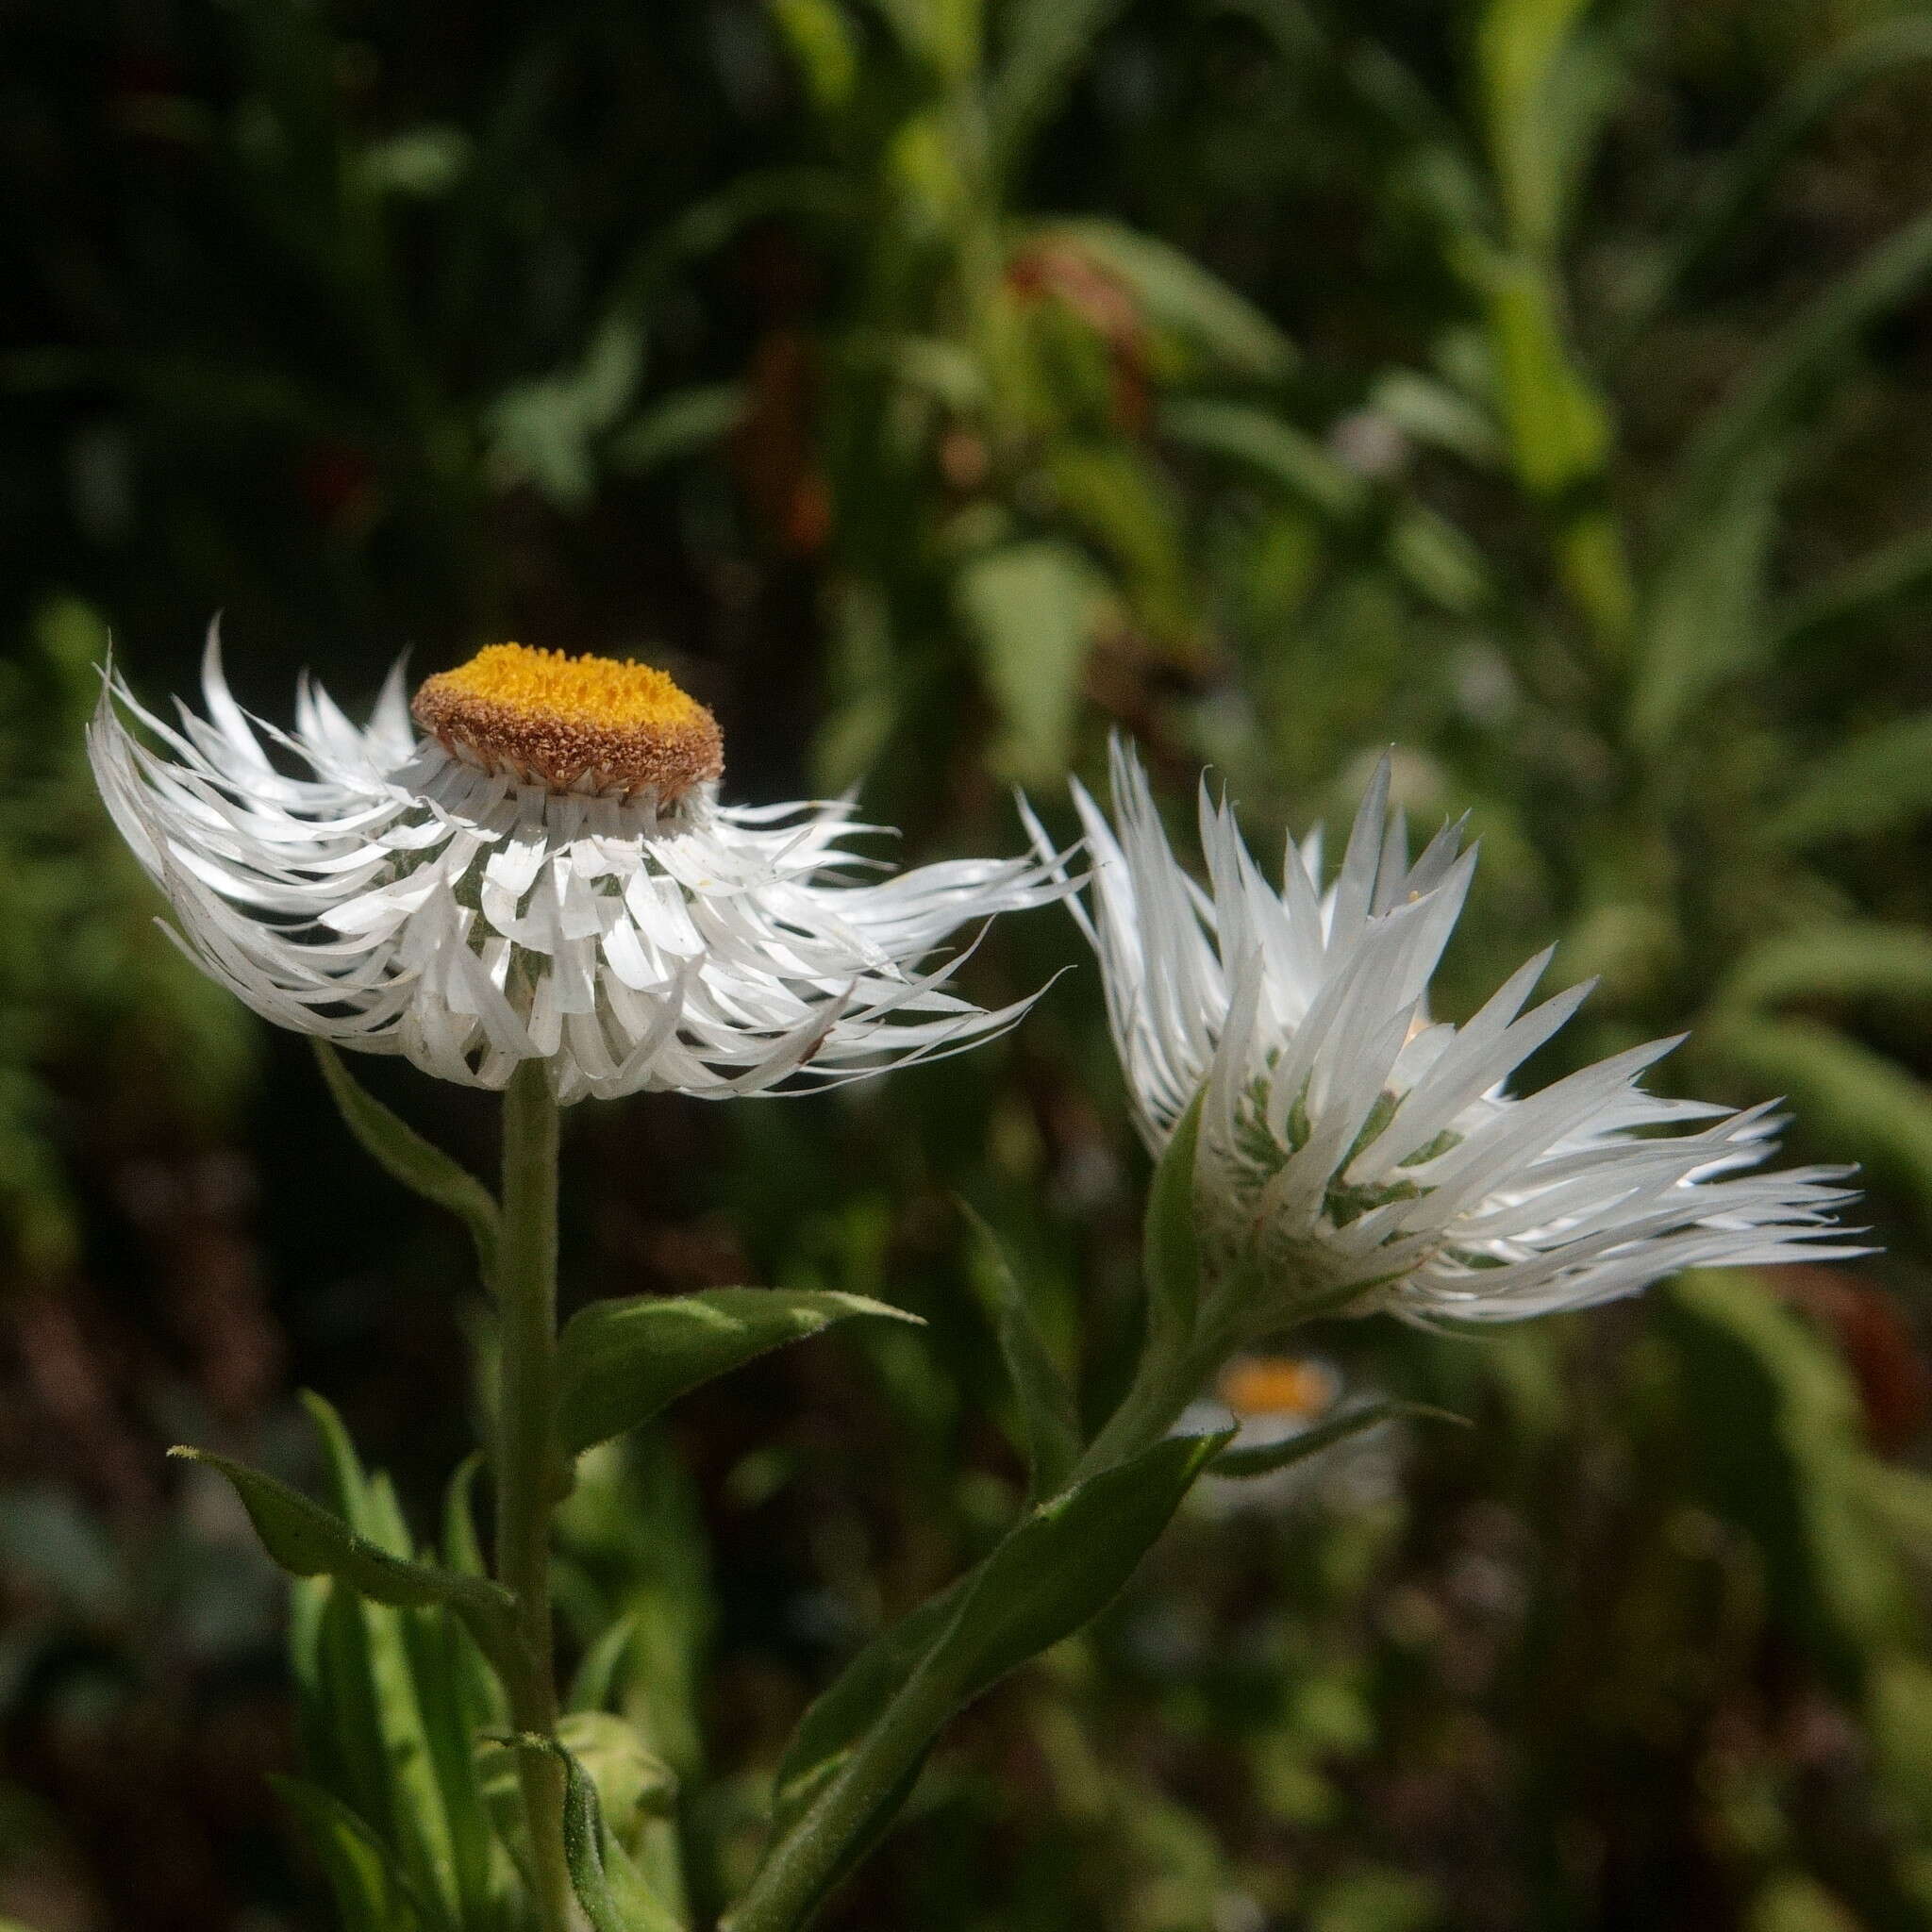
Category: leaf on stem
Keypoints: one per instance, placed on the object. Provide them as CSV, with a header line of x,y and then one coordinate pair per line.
x,y
1031,609
1854,958
859,1749
1170,1253
619,1362
403,1154
608,1886
1875,782
1176,295
1048,1414
1265,1458
305,1540
370,1890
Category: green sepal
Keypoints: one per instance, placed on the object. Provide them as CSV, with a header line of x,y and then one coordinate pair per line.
x,y
608,1886
305,1540
1264,1460
1171,1249
859,1748
619,1362
1048,1414
404,1155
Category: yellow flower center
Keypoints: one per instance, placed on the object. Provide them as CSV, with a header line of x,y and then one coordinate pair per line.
x,y
1277,1384
573,724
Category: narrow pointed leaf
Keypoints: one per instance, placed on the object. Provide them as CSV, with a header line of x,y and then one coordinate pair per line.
x,y
1854,960
1176,295
1054,1573
607,1885
305,1540
1048,41
1030,609
1786,379
1170,1252
1048,1414
1744,177
369,1891
619,1362
1264,1460
852,1702
407,1157
1880,779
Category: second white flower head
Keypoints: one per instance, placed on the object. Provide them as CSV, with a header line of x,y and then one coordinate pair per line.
x,y
1354,1154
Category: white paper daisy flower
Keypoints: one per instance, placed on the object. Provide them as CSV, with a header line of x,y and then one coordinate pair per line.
x,y
546,874
1353,1156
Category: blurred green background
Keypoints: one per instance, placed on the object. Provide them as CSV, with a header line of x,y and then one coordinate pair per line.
x,y
1540,386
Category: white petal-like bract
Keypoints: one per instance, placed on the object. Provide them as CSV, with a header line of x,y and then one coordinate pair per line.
x,y
1356,1155
372,888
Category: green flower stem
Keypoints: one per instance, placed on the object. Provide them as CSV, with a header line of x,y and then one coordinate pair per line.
x,y
1174,1370
1168,1379
528,1458
793,1882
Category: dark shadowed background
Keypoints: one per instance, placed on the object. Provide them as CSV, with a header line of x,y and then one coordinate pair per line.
x,y
1540,387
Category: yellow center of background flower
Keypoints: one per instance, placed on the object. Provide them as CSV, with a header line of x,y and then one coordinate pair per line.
x,y
573,724
1276,1385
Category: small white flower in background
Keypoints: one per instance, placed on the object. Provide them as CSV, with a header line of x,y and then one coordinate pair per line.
x,y
1268,1400
1353,1156
548,873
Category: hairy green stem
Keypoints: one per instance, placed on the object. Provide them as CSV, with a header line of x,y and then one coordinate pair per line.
x,y
528,1460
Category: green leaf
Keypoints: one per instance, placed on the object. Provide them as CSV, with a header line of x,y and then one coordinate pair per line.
x,y
1736,190
1777,1419
1857,959
407,1157
1046,43
542,431
632,1781
614,1897
822,44
1048,1412
1177,294
1265,1458
619,1362
842,1711
370,1894
1874,585
1288,456
1117,500
305,1540
679,424
1701,619
1429,411
1057,1569
1030,609
1436,560
1427,551
461,1548
419,164
1871,783
1787,378
1559,432
1546,89
1170,1253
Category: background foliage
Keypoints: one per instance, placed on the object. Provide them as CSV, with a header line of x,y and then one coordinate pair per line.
x,y
1535,385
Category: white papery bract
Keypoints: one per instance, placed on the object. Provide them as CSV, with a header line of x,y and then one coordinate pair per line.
x,y
1353,1156
377,890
